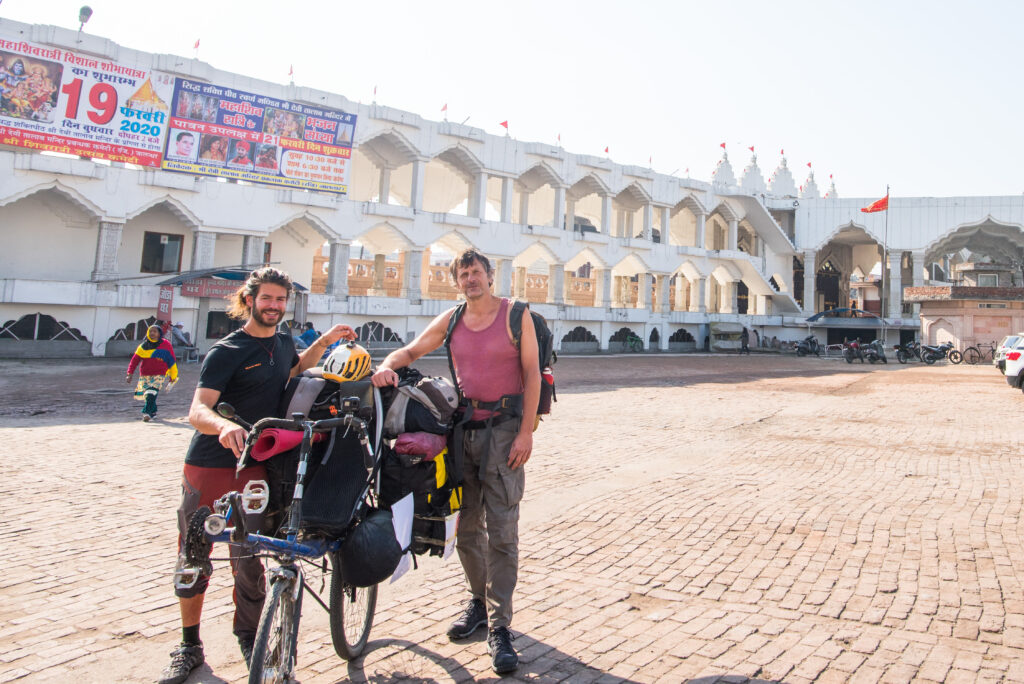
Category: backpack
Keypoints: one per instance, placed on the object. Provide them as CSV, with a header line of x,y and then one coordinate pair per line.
x,y
419,404
545,348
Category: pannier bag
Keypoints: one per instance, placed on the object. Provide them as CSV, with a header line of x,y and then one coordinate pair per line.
x,y
370,552
419,404
436,495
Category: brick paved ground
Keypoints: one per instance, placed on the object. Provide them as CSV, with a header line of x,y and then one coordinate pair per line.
x,y
686,518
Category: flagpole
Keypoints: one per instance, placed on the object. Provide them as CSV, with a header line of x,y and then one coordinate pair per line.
x,y
885,265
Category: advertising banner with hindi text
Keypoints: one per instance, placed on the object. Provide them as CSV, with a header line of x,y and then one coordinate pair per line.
x,y
58,100
219,131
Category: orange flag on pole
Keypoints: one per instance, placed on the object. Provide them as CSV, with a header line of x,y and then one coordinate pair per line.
x,y
877,205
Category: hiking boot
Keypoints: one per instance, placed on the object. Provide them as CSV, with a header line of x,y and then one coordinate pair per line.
x,y
184,659
245,644
473,617
503,656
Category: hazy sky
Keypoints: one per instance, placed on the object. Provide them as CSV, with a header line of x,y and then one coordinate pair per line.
x,y
924,96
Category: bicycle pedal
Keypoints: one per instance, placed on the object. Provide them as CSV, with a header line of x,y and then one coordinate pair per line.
x,y
255,496
186,578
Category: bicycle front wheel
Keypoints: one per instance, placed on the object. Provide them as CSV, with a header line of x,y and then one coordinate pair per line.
x,y
972,355
351,610
273,652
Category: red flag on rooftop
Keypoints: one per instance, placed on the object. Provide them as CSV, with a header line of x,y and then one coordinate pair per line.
x,y
722,145
606,150
505,124
751,148
196,46
877,205
445,108
291,69
808,164
782,152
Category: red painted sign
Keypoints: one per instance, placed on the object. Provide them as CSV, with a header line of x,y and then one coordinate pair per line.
x,y
165,304
209,287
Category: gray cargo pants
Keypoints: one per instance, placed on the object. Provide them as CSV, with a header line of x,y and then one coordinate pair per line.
x,y
488,534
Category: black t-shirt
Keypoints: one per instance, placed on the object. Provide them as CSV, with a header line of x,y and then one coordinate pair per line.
x,y
239,367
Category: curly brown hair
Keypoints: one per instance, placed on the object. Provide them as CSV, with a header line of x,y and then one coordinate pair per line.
x,y
466,259
238,308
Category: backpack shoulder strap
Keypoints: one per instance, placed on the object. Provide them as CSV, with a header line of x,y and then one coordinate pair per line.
x,y
453,319
515,320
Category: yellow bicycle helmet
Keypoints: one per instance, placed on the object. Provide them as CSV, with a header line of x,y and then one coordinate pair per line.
x,y
346,363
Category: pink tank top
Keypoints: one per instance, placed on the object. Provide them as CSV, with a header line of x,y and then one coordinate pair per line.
x,y
486,362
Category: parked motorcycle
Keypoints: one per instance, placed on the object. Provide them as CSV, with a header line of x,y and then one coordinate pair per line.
x,y
908,352
930,354
875,352
852,350
808,345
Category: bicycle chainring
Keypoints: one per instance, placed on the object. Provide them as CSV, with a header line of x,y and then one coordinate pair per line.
x,y
197,546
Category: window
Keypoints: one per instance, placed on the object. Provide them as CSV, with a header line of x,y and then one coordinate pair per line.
x,y
990,305
266,253
161,253
218,324
988,280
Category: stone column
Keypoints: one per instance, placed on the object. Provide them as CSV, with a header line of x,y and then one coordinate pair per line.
x,y
895,284
602,287
412,279
204,244
643,291
508,192
732,292
524,208
701,225
252,250
570,215
666,223
662,286
377,290
606,214
419,169
698,296
556,284
478,196
917,263
337,271
810,280
734,234
503,277
108,241
559,218
648,229
384,186
681,284
521,282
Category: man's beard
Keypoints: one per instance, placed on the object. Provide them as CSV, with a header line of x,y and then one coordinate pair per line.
x,y
258,316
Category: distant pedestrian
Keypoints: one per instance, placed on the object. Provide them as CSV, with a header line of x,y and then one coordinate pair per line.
x,y
307,338
745,342
155,360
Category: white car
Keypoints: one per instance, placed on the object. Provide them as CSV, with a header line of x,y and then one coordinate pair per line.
x,y
1007,343
1015,364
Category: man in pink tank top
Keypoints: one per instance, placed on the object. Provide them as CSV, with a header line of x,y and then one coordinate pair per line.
x,y
502,384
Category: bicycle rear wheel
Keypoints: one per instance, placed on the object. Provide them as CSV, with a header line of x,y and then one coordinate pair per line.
x,y
273,652
972,355
351,610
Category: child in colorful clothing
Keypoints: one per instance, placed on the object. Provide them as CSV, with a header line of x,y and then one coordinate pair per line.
x,y
155,360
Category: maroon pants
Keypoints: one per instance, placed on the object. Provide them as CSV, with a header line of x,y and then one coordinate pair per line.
x,y
202,487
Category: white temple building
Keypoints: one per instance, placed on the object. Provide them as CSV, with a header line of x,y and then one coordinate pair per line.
x,y
598,248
